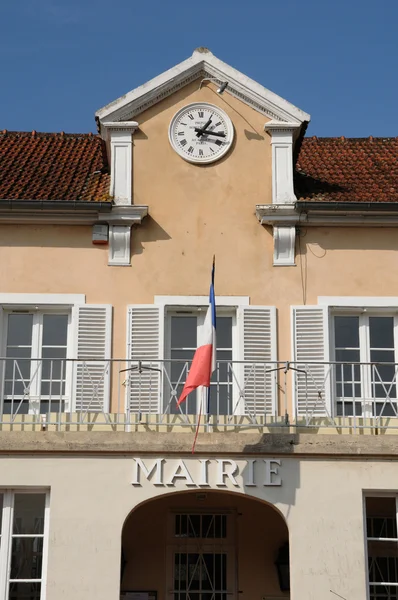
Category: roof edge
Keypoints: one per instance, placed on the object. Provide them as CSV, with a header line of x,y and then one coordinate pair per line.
x,y
201,63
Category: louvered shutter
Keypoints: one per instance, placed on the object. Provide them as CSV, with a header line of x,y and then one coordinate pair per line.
x,y
144,350
93,324
311,381
258,379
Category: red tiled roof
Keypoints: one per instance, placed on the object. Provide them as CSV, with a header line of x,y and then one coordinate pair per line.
x,y
348,170
63,166
53,166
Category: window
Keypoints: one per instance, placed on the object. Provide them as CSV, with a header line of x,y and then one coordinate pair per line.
x,y
184,336
202,555
23,544
162,339
36,368
57,355
381,534
365,353
345,358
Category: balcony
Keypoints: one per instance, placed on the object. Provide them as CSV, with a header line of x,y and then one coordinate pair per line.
x,y
60,394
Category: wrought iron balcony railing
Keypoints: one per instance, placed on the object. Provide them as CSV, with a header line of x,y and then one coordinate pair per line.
x,y
55,392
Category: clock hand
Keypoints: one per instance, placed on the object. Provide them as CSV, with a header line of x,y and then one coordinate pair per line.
x,y
217,133
201,130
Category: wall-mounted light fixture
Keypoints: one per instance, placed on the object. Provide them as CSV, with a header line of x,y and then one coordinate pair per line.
x,y
221,89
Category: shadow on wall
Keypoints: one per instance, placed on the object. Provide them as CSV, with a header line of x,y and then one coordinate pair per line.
x,y
149,231
279,446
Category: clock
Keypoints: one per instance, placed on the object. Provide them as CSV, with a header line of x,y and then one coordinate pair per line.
x,y
201,133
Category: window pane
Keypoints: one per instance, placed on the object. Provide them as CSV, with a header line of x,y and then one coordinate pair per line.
x,y
223,369
55,330
16,406
224,332
381,332
52,368
346,332
29,513
349,356
19,330
26,558
16,367
220,399
25,591
381,517
346,409
183,332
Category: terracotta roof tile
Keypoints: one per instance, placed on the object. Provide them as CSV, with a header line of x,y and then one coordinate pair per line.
x,y
348,170
53,166
63,166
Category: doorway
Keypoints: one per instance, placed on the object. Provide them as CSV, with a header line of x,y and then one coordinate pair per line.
x,y
213,545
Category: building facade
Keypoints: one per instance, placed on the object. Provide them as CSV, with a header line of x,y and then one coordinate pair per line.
x,y
106,246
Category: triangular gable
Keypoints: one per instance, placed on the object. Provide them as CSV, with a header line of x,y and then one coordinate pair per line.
x,y
201,64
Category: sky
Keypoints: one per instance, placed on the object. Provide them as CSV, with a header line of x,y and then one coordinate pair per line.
x,y
61,60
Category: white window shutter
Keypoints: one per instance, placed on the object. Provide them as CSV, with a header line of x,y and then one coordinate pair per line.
x,y
311,382
258,383
93,329
144,350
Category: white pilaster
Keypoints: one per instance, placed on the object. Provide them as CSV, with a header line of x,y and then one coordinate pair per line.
x,y
282,135
282,140
119,141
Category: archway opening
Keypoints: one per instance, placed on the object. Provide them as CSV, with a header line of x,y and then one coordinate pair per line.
x,y
202,546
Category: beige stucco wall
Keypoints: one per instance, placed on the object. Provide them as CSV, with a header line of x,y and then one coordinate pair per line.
x,y
92,496
195,212
332,262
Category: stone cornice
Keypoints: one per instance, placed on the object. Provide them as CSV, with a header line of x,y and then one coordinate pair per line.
x,y
125,215
279,444
290,215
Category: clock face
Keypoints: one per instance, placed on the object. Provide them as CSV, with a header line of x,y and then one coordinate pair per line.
x,y
201,133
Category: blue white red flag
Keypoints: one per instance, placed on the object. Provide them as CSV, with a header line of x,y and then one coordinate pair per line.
x,y
204,360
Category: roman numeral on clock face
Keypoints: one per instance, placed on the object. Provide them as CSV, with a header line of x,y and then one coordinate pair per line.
x,y
183,142
201,114
190,149
191,117
200,152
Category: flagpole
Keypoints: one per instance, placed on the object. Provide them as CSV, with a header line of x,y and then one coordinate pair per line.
x,y
198,425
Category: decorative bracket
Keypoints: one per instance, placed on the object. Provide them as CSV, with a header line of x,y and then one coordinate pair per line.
x,y
283,218
120,221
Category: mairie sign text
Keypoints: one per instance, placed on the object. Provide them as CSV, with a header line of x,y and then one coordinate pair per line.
x,y
207,472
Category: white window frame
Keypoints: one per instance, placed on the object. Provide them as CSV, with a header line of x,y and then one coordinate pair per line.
x,y
200,313
34,303
366,397
357,305
7,537
35,369
225,304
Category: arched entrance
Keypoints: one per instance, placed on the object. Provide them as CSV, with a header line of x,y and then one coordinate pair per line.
x,y
202,546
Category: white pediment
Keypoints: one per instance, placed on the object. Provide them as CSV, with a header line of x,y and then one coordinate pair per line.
x,y
202,64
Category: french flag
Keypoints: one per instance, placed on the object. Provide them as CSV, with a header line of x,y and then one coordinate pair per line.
x,y
204,360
